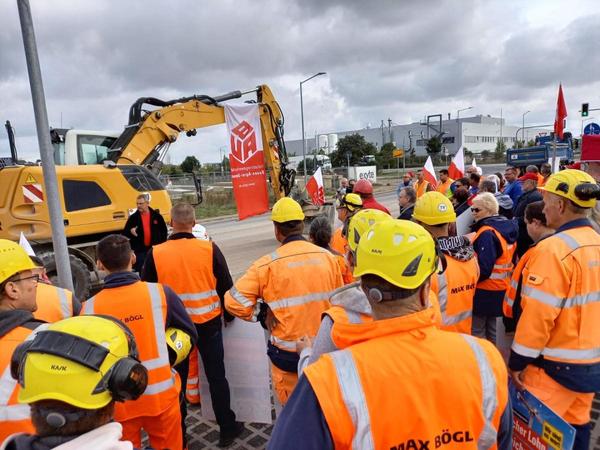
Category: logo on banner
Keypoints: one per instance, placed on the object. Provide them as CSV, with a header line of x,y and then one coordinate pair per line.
x,y
33,193
243,142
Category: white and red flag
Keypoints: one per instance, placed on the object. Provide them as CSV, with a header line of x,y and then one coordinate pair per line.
x,y
429,172
456,169
315,188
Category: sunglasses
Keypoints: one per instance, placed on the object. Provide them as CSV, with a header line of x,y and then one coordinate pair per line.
x,y
476,210
36,278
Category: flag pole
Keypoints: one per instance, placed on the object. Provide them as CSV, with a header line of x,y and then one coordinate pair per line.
x,y
553,152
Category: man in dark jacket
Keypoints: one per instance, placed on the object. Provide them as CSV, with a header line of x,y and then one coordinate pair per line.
x,y
406,201
530,195
144,228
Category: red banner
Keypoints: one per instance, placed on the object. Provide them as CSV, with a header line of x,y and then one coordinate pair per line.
x,y
247,161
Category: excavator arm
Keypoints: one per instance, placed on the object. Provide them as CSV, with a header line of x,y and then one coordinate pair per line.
x,y
148,135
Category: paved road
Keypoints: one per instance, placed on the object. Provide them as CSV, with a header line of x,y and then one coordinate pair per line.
x,y
242,242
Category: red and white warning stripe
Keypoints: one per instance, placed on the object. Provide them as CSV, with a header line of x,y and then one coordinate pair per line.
x,y
33,193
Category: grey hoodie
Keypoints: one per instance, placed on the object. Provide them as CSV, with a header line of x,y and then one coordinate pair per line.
x,y
504,201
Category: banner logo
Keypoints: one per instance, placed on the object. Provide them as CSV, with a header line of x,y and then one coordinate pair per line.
x,y
243,142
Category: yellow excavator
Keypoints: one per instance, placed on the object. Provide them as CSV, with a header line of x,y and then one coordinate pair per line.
x,y
96,198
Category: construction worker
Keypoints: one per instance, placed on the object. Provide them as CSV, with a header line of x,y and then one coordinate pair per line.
x,y
197,271
148,309
372,392
349,303
494,243
349,205
445,182
18,284
53,303
287,291
364,188
555,352
71,373
320,235
454,286
537,229
422,185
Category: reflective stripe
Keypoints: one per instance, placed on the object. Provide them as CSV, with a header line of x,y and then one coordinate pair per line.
x,y
240,298
157,388
192,380
354,398
503,266
88,306
353,316
300,300
274,256
525,351
195,296
570,241
65,304
456,318
204,310
543,297
581,355
499,276
10,412
509,301
162,359
580,300
488,436
514,284
288,345
443,293
192,392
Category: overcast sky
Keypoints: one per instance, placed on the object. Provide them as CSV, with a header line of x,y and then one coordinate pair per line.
x,y
389,58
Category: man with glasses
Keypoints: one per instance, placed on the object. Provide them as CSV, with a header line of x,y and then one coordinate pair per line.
x,y
18,286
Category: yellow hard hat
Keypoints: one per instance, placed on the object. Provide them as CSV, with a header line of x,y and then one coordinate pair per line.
x,y
399,251
352,202
434,208
575,185
84,361
13,259
361,222
286,209
179,344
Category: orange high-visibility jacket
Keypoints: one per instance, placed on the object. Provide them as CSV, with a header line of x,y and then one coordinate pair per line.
x,y
422,187
186,266
344,269
14,417
515,282
295,281
561,299
401,380
500,276
143,308
444,188
53,303
455,288
338,241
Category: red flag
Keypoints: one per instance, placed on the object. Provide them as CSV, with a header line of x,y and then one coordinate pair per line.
x,y
456,169
315,189
429,172
561,114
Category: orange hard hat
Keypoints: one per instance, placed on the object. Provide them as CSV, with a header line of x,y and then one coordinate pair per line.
x,y
363,186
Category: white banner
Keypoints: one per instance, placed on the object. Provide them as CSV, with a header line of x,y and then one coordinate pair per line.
x,y
248,373
360,172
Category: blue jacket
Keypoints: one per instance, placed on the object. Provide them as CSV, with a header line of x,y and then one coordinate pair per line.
x,y
488,249
514,191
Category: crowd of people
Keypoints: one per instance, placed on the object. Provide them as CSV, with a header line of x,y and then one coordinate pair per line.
x,y
382,333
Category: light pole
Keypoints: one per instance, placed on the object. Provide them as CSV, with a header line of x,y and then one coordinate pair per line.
x,y
459,111
458,131
523,129
302,118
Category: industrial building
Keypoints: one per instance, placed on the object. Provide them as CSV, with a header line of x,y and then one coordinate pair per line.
x,y
476,134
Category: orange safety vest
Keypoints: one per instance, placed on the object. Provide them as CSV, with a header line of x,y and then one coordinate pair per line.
x,y
53,303
500,276
14,417
444,188
455,288
186,266
421,187
389,374
295,281
143,308
344,269
561,299
338,241
514,285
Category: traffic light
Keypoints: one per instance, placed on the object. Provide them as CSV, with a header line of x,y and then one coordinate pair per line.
x,y
585,109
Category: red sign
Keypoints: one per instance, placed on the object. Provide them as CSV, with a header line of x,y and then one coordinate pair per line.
x,y
524,438
248,173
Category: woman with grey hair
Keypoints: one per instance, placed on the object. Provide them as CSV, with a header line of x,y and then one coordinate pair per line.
x,y
494,243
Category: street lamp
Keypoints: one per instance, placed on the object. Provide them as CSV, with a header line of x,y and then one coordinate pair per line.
x,y
458,131
523,129
459,111
302,117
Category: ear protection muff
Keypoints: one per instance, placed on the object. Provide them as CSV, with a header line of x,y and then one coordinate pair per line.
x,y
58,420
126,380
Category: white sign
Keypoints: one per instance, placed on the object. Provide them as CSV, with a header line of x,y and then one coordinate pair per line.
x,y
464,222
360,172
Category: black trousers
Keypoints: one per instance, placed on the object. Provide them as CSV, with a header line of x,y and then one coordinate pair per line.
x,y
210,346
